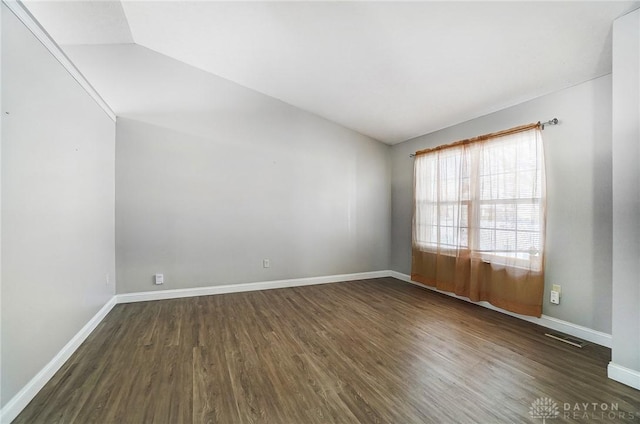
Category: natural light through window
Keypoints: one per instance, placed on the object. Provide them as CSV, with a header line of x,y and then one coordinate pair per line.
x,y
483,199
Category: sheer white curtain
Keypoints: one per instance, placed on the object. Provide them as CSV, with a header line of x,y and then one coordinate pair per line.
x,y
479,219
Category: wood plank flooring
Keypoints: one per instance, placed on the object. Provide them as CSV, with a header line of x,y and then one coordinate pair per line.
x,y
370,351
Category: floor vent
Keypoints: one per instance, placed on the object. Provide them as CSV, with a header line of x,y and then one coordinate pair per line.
x,y
567,339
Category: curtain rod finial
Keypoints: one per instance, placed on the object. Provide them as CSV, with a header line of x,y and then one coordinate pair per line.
x,y
553,121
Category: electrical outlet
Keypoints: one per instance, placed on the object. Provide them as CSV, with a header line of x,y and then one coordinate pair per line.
x,y
555,297
159,279
266,263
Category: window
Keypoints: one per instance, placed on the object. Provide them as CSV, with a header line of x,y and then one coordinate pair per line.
x,y
483,199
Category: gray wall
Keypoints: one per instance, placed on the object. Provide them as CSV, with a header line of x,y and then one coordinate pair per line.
x,y
265,180
579,212
57,207
2,12
212,178
626,192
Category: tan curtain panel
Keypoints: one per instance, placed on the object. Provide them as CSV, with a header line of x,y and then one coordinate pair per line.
x,y
479,219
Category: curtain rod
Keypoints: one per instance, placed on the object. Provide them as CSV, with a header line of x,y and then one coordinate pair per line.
x,y
553,121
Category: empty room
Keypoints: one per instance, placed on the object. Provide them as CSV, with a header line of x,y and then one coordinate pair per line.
x,y
320,212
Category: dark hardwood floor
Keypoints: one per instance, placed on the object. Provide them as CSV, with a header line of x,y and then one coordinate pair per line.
x,y
371,351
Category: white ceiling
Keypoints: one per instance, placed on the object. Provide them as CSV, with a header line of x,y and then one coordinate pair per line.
x,y
390,70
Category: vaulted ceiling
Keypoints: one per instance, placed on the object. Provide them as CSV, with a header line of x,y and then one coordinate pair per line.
x,y
390,70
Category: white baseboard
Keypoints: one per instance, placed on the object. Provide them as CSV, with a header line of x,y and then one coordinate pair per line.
x,y
29,391
555,324
624,375
244,287
584,333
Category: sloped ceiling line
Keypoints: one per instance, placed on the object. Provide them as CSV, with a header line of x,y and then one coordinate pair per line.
x,y
389,70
